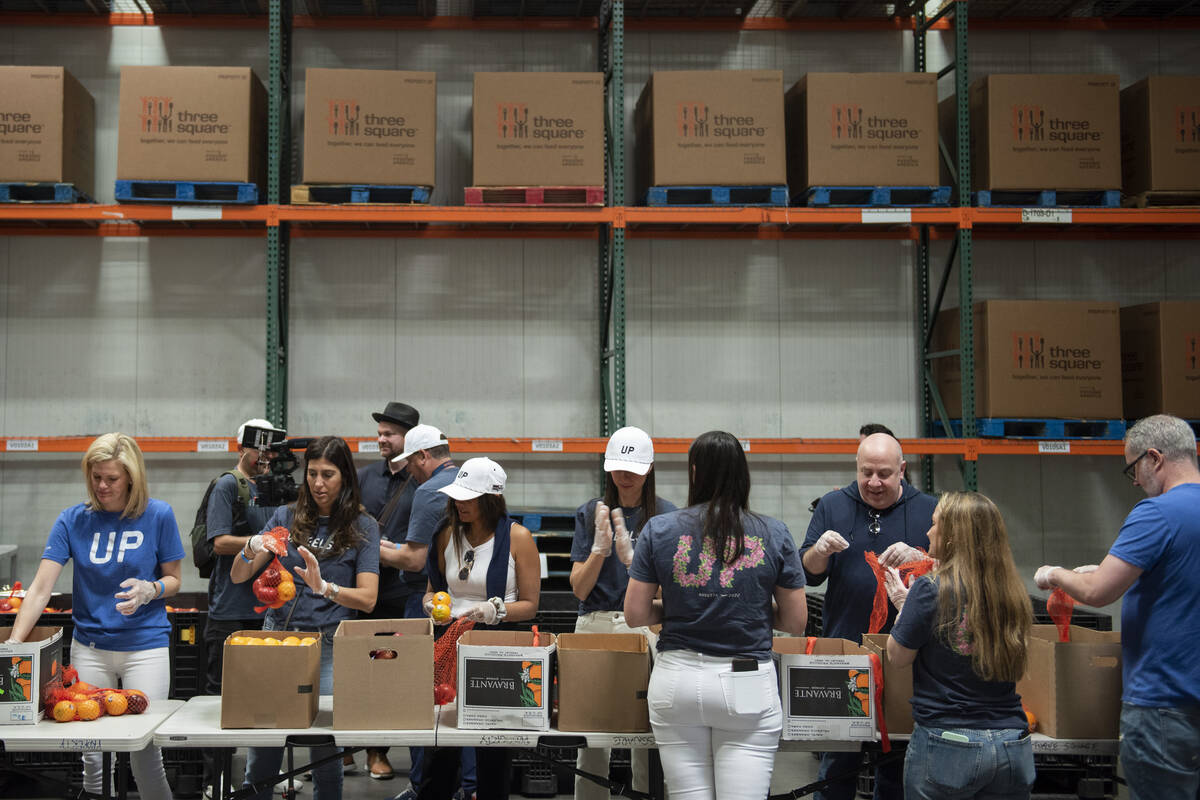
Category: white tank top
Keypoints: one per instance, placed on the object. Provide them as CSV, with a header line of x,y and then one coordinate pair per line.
x,y
474,589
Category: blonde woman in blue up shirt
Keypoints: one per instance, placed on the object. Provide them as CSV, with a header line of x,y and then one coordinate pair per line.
x,y
728,576
127,555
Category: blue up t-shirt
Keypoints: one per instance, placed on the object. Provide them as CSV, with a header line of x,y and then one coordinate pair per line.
x,y
1160,623
609,592
228,600
429,506
946,691
308,611
107,550
717,612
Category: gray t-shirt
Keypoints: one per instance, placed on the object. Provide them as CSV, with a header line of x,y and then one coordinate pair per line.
x,y
429,506
228,600
609,592
717,612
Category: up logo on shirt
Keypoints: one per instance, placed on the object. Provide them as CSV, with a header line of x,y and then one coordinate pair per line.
x,y
753,555
130,540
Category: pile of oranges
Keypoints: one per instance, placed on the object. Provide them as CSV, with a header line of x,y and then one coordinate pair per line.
x,y
440,612
271,641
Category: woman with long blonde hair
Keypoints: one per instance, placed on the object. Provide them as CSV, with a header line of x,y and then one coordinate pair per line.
x,y
964,627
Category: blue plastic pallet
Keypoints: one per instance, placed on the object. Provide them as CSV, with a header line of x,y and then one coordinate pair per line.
x,y
717,196
377,194
17,192
1047,198
875,196
186,192
1035,428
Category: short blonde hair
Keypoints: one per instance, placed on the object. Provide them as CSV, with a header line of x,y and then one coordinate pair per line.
x,y
119,447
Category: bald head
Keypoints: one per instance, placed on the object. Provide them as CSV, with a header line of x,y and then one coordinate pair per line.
x,y
880,467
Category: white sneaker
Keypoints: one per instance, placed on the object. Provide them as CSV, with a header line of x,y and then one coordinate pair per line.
x,y
282,786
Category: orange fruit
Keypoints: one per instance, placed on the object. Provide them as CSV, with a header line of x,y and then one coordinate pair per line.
x,y
272,641
286,591
64,711
1029,715
307,640
15,602
440,613
88,709
253,640
115,704
292,641
442,598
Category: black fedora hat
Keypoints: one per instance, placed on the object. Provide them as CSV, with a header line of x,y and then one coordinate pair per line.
x,y
399,414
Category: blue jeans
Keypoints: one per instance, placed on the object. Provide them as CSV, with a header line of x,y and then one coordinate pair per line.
x,y
992,764
889,779
263,763
1160,752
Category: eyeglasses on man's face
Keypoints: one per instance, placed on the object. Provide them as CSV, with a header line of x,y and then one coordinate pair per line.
x,y
1131,467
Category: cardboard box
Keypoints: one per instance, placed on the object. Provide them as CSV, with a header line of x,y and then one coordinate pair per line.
x,y
1160,359
388,693
47,128
370,126
538,129
711,128
1074,688
897,686
863,129
1036,359
826,695
503,680
192,124
1160,134
30,669
270,687
602,682
1041,132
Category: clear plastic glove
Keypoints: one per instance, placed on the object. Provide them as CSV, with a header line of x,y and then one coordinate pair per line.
x,y
621,539
602,542
1086,568
428,606
256,544
899,553
483,612
1042,577
137,594
897,592
830,542
310,573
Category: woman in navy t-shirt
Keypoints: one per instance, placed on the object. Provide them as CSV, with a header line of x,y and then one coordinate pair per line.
x,y
728,577
334,550
127,556
965,626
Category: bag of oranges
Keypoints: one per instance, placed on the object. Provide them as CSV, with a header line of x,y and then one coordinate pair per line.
x,y
274,586
78,701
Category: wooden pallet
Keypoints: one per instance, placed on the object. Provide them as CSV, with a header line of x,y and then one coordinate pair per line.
x,y
49,192
1163,199
129,191
534,195
368,194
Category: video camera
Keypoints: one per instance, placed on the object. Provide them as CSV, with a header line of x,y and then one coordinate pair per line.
x,y
277,486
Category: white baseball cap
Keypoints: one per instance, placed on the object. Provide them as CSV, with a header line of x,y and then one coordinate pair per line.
x,y
477,476
421,437
629,450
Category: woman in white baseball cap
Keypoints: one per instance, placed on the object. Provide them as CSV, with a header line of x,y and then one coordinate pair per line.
x,y
605,531
490,566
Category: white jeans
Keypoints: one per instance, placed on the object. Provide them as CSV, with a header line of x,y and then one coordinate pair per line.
x,y
595,759
717,730
148,671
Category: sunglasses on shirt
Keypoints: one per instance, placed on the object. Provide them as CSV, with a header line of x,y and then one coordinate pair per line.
x,y
468,561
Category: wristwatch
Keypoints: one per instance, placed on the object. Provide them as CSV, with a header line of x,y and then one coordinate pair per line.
x,y
331,591
501,610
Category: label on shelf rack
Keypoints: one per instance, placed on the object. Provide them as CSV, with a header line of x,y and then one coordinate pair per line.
x,y
888,216
371,446
22,445
745,444
1055,216
1054,447
195,212
212,446
546,445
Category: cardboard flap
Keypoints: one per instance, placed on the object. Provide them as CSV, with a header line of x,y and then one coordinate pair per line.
x,y
610,642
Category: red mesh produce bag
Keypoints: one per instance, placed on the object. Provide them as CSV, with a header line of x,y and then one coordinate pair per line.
x,y
276,540
1060,606
879,610
274,586
914,569
445,653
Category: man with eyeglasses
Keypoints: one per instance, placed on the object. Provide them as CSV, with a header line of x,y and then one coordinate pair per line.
x,y
881,513
1155,565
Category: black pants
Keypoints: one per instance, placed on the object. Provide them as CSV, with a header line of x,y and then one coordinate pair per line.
x,y
441,773
216,631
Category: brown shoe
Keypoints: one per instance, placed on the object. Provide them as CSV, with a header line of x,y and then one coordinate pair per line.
x,y
378,766
348,764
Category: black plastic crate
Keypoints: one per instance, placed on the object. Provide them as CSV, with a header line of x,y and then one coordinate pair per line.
x,y
1095,620
185,771
189,660
61,774
816,602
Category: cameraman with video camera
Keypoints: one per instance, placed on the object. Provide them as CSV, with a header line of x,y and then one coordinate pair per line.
x,y
231,513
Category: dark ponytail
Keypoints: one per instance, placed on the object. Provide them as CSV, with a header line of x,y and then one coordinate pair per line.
x,y
719,478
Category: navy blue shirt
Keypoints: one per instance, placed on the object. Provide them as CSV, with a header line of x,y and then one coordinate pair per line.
x,y
946,691
718,613
309,611
377,484
429,506
609,592
228,600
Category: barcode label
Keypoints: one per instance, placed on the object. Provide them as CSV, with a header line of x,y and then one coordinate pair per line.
x,y
195,212
547,446
212,446
1055,216
22,445
745,444
368,447
1054,447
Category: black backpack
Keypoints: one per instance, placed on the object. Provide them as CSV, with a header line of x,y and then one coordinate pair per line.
x,y
203,555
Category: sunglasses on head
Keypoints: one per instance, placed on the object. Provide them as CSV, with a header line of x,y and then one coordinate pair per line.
x,y
468,561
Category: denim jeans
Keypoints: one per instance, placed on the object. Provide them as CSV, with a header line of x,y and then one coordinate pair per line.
x,y
889,777
717,730
263,763
991,764
1160,752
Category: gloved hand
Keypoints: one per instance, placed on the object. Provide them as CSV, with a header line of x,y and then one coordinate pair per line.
x,y
483,612
310,573
899,553
1042,577
428,606
830,542
602,542
621,539
1086,568
897,592
256,544
137,594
